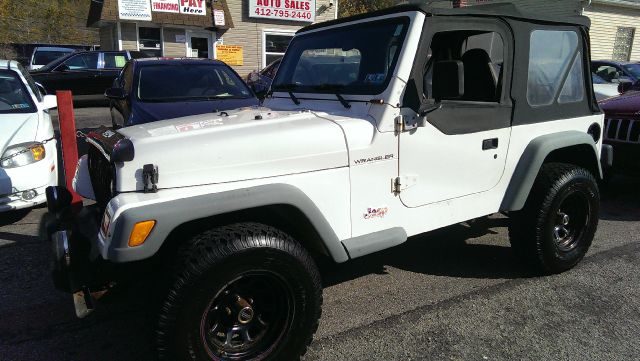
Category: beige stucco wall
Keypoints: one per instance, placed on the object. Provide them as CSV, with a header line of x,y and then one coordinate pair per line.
x,y
605,21
171,47
247,31
129,36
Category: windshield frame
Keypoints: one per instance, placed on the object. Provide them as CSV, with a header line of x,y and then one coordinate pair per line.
x,y
32,106
376,89
240,84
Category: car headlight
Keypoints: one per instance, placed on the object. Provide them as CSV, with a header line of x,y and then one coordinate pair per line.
x,y
22,154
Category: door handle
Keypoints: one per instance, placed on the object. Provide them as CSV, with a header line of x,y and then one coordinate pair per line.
x,y
490,144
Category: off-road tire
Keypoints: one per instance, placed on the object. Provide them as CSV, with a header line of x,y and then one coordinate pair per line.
x,y
210,265
533,231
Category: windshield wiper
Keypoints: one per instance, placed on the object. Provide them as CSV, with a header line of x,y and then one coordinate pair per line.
x,y
289,89
335,89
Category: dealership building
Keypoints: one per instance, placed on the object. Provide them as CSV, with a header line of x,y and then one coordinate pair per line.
x,y
246,34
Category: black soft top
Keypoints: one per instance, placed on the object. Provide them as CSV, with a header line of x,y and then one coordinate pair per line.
x,y
490,10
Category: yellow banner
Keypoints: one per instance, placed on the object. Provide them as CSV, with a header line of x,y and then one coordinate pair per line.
x,y
230,54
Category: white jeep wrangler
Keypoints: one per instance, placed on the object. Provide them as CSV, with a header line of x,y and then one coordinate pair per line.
x,y
376,128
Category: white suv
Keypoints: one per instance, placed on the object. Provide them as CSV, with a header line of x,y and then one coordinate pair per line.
x,y
43,55
377,127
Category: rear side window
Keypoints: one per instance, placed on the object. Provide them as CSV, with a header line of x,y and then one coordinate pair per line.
x,y
555,68
86,61
114,60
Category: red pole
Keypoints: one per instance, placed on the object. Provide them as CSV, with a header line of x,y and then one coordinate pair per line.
x,y
69,145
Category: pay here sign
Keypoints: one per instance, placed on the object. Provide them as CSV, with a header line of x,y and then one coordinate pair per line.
x,y
293,10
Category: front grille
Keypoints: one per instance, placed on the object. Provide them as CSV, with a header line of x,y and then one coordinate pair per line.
x,y
102,175
622,130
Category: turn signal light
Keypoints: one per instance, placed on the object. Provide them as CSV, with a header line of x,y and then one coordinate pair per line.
x,y
38,152
140,233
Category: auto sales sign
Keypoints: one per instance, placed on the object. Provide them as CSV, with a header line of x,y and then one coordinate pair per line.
x,y
292,10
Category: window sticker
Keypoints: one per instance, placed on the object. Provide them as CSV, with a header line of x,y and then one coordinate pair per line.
x,y
19,106
374,78
120,61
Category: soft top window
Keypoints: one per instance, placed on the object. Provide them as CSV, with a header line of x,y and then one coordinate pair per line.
x,y
481,53
555,68
353,59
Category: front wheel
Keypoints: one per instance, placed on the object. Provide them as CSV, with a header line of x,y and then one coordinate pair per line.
x,y
245,292
554,230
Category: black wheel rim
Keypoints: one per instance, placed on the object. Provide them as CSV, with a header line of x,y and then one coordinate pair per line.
x,y
247,318
571,220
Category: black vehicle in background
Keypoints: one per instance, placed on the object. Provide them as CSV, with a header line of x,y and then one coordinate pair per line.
x,y
87,74
260,81
154,89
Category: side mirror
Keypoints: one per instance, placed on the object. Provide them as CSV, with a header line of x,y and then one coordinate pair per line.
x,y
49,102
259,89
448,80
41,89
253,76
115,93
624,86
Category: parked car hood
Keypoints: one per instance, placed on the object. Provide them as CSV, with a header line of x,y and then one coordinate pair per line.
x,y
16,129
626,104
248,143
604,91
147,112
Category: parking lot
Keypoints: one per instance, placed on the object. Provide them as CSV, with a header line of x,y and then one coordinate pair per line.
x,y
454,294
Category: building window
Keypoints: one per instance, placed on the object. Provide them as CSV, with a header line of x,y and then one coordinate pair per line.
x,y
623,44
274,46
149,40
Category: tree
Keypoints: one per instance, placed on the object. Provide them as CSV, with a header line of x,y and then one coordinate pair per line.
x,y
51,22
354,7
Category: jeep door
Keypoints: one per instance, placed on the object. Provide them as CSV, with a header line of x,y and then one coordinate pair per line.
x,y
462,74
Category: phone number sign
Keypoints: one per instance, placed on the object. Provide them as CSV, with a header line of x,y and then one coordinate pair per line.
x,y
292,10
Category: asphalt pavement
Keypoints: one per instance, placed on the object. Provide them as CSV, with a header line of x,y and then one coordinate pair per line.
x,y
453,294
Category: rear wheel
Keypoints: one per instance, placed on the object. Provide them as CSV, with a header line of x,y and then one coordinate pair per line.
x,y
554,230
245,292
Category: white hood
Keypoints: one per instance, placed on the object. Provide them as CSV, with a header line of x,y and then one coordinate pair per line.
x,y
243,144
17,128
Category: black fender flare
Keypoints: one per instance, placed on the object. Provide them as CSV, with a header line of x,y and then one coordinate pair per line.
x,y
175,212
531,162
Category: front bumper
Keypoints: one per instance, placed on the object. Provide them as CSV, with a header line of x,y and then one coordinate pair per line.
x,y
627,157
76,263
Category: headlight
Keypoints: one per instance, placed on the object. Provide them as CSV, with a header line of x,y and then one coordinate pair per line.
x,y
22,154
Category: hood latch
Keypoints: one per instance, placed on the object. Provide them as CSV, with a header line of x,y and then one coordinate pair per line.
x,y
150,177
